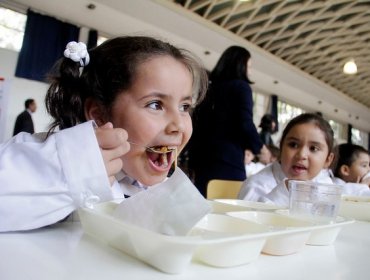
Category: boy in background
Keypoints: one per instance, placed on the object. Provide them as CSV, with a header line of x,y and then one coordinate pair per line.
x,y
352,164
251,167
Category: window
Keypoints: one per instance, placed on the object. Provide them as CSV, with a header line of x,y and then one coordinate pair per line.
x,y
286,112
260,104
340,133
12,26
101,40
359,137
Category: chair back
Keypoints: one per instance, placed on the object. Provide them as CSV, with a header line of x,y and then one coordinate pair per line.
x,y
218,189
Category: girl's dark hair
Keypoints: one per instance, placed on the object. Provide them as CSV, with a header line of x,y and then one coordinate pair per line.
x,y
112,70
346,154
316,119
232,65
266,122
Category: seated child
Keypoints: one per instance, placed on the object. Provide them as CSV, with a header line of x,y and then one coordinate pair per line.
x,y
306,153
251,167
351,168
269,155
114,106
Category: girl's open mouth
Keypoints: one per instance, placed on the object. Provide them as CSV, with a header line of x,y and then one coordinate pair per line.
x,y
299,168
160,156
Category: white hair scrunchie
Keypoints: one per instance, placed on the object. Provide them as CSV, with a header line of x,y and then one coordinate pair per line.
x,y
77,52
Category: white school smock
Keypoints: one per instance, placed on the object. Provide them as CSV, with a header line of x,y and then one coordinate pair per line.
x,y
43,181
125,186
253,168
261,183
356,189
280,194
269,185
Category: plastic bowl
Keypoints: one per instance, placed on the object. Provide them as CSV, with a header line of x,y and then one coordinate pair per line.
x,y
244,246
323,234
293,232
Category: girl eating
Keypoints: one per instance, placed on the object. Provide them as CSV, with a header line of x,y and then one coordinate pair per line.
x,y
122,110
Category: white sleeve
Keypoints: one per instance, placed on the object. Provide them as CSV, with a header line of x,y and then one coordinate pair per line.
x,y
251,189
278,196
356,189
258,185
43,181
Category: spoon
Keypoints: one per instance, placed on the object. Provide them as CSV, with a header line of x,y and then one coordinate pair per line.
x,y
162,150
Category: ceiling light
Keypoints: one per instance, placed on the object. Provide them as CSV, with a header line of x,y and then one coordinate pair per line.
x,y
350,67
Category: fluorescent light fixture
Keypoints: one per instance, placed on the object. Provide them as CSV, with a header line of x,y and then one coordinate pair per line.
x,y
350,67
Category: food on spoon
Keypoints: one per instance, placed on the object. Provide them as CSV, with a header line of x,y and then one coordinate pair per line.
x,y
161,149
164,157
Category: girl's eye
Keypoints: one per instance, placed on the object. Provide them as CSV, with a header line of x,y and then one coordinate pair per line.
x,y
155,105
185,108
314,148
293,144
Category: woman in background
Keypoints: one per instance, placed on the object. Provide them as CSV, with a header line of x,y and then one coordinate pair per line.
x,y
223,122
268,127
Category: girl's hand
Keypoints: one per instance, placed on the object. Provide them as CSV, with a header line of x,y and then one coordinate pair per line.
x,y
365,180
113,145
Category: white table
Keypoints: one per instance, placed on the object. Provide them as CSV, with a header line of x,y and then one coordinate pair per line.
x,y
63,251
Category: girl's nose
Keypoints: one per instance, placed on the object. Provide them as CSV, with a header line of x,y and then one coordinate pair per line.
x,y
302,153
176,123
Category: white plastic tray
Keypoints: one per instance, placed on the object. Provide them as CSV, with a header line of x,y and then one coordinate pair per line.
x,y
323,234
231,205
355,207
216,240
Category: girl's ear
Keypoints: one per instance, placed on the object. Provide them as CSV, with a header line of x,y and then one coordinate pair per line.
x,y
94,111
329,160
344,170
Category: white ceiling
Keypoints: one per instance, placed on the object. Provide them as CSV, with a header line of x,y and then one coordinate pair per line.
x,y
187,29
314,35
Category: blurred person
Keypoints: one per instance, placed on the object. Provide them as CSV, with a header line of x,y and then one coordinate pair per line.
x,y
352,165
223,122
269,154
268,127
24,120
251,166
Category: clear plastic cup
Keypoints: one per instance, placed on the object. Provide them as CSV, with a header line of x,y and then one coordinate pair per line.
x,y
314,201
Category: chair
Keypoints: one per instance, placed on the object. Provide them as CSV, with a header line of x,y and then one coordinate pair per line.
x,y
223,189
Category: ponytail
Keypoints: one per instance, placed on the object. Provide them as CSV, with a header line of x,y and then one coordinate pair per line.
x,y
64,99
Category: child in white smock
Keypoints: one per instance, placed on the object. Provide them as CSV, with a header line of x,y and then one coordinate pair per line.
x,y
251,167
129,90
351,169
305,154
